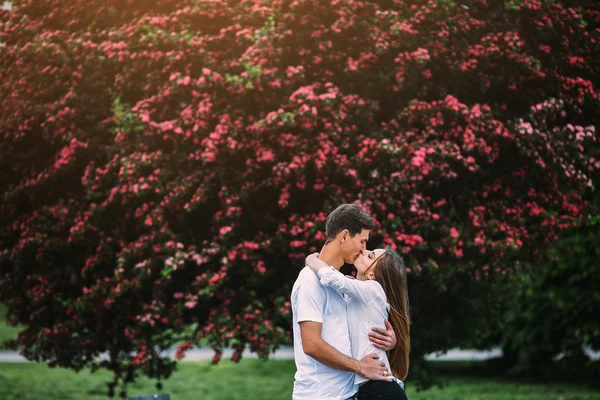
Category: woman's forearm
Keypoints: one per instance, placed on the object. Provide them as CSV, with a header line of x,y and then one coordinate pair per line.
x,y
315,264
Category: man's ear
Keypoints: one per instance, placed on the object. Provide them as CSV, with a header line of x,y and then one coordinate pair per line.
x,y
344,235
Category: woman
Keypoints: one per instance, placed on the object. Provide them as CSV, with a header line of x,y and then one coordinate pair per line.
x,y
378,293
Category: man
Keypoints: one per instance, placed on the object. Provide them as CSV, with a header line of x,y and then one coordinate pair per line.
x,y
321,339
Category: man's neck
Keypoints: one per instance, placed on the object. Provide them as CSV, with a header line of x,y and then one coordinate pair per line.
x,y
331,254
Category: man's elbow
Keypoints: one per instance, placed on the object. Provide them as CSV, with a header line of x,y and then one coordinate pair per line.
x,y
311,348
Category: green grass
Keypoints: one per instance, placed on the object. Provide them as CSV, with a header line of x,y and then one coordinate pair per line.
x,y
251,379
6,332
193,380
470,388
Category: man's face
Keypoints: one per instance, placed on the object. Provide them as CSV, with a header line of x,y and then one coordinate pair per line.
x,y
352,246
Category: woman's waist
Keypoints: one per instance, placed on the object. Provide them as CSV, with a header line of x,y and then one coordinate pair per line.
x,y
361,350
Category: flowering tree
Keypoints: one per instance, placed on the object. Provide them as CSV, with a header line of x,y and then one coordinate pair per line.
x,y
167,164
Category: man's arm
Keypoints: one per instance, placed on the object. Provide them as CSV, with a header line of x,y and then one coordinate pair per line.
x,y
315,347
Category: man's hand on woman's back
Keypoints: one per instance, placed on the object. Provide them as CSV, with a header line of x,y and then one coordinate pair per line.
x,y
384,339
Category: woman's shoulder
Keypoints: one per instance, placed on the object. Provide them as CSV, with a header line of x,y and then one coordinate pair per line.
x,y
377,291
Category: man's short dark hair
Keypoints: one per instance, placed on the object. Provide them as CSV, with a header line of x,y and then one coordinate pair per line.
x,y
348,216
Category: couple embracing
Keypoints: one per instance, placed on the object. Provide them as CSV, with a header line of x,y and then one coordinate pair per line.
x,y
342,327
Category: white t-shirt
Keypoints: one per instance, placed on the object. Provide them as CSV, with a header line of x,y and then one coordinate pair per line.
x,y
366,306
311,301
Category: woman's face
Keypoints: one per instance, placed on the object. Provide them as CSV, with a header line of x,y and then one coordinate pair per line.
x,y
364,261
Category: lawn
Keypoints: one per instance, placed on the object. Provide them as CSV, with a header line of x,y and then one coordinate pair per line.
x,y
251,379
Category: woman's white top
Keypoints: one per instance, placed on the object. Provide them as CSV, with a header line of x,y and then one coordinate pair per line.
x,y
366,306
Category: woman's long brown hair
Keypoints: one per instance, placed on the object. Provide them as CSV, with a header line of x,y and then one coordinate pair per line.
x,y
390,272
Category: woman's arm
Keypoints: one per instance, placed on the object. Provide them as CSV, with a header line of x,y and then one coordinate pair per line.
x,y
315,263
363,291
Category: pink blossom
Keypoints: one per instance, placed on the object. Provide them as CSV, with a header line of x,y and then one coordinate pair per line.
x,y
261,267
190,304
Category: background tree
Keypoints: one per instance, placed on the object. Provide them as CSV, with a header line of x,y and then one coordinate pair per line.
x,y
550,319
